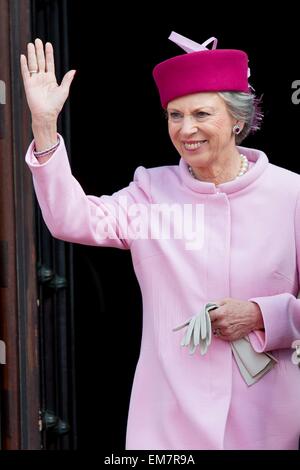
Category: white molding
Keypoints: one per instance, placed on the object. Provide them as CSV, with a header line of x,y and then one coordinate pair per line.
x,y
2,92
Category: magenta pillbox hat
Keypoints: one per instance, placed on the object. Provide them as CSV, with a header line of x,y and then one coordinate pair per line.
x,y
203,70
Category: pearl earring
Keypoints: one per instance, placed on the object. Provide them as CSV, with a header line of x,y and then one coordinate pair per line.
x,y
236,129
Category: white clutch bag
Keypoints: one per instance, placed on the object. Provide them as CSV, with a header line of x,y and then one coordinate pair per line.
x,y
252,365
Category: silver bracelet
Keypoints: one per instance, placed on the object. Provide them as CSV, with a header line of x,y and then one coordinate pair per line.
x,y
43,153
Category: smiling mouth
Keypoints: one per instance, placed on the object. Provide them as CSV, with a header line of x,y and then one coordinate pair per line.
x,y
194,145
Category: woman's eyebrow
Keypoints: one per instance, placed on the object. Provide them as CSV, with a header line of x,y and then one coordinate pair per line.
x,y
201,108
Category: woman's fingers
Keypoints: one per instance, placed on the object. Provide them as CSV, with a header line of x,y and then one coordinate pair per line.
x,y
38,59
50,67
31,57
40,56
214,314
67,80
36,56
24,68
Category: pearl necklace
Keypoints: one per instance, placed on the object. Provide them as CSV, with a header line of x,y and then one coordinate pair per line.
x,y
243,168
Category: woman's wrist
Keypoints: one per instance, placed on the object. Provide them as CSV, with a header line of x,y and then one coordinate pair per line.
x,y
48,151
259,321
45,134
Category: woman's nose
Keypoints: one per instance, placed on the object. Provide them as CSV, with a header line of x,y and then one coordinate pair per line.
x,y
188,126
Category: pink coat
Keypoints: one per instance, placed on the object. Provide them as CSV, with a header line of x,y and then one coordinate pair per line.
x,y
248,247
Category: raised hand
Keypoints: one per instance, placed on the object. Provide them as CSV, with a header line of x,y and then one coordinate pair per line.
x,y
44,96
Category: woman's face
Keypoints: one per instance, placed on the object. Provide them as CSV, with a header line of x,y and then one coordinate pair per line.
x,y
200,128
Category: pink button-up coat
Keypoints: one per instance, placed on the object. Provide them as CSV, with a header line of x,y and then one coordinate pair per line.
x,y
246,245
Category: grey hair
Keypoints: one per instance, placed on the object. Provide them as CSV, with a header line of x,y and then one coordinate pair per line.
x,y
244,107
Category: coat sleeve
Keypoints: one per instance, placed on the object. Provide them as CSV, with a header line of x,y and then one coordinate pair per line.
x,y
73,216
281,313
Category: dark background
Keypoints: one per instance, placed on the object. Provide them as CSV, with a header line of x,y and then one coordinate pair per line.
x,y
117,125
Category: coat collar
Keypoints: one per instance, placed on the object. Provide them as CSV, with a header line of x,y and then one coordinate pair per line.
x,y
257,157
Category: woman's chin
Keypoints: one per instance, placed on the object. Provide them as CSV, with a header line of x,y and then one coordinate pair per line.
x,y
195,160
